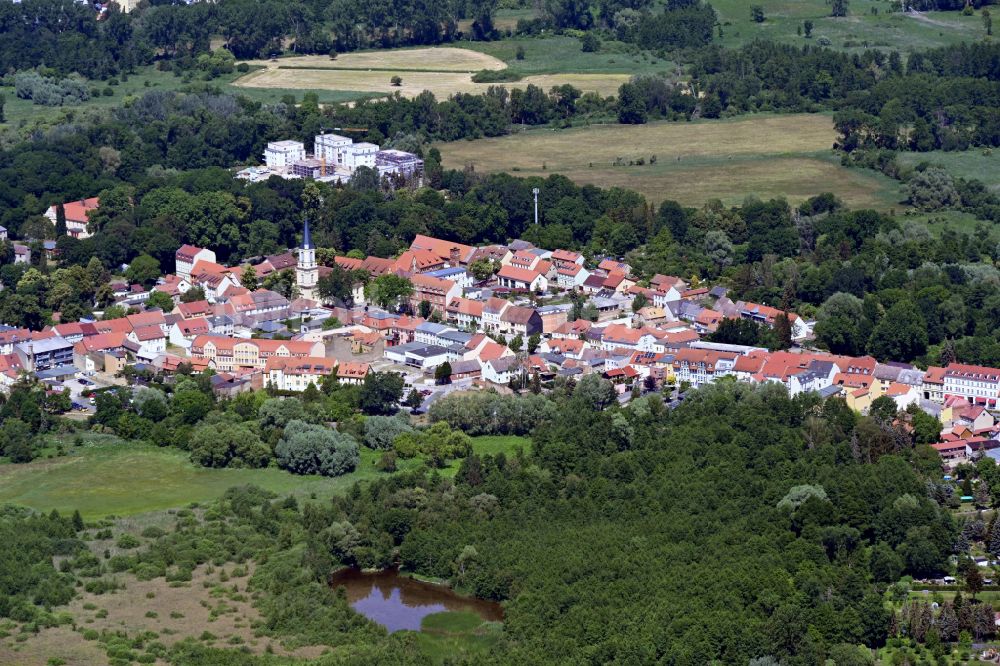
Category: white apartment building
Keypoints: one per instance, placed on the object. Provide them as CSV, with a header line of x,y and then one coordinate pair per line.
x,y
281,155
332,148
360,155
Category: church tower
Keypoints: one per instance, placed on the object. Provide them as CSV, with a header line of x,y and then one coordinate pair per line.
x,y
307,272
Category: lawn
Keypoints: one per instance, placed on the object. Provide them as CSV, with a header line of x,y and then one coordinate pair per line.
x,y
855,32
767,156
108,476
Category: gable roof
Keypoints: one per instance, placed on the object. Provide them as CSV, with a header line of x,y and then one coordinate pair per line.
x,y
511,272
187,252
76,211
441,248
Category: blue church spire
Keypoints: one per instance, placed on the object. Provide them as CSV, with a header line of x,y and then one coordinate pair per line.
x,y
306,238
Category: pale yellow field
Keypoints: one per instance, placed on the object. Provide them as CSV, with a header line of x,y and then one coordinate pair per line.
x,y
442,84
768,156
602,144
453,60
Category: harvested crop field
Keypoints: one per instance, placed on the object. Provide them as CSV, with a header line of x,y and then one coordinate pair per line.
x,y
443,71
436,58
767,156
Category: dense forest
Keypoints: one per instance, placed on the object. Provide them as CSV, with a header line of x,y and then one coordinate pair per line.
x,y
65,37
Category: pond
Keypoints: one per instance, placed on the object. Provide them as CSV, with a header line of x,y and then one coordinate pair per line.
x,y
397,602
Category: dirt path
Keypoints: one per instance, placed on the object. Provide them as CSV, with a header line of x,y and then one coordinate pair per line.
x,y
923,18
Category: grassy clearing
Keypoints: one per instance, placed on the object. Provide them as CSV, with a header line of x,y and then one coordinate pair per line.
x,y
557,54
768,156
981,164
947,220
108,476
505,444
859,30
20,113
451,622
444,637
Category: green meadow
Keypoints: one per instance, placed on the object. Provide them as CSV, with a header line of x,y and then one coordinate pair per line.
x,y
109,476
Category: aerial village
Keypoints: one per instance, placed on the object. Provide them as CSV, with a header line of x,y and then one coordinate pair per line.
x,y
539,315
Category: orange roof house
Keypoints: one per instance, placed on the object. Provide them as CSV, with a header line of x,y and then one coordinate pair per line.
x,y
352,373
454,254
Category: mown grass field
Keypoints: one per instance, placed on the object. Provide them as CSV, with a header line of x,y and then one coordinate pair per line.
x,y
767,156
442,70
108,476
858,30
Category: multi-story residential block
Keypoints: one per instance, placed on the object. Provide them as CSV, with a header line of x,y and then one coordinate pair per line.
x,y
237,354
187,256
977,384
331,148
933,385
703,366
296,374
281,155
465,313
45,353
436,291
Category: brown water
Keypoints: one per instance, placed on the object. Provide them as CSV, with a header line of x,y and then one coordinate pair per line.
x,y
397,602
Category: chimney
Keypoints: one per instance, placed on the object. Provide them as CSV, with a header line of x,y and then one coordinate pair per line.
x,y
453,258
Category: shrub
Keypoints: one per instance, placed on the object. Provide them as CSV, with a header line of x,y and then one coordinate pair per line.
x,y
305,448
439,443
228,444
381,431
933,189
126,541
496,76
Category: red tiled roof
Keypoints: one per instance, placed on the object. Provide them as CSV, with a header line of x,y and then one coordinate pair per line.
x,y
351,370
510,272
441,248
187,252
76,211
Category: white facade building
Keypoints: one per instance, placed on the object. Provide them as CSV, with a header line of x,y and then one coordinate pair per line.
x,y
360,155
281,155
331,147
187,256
